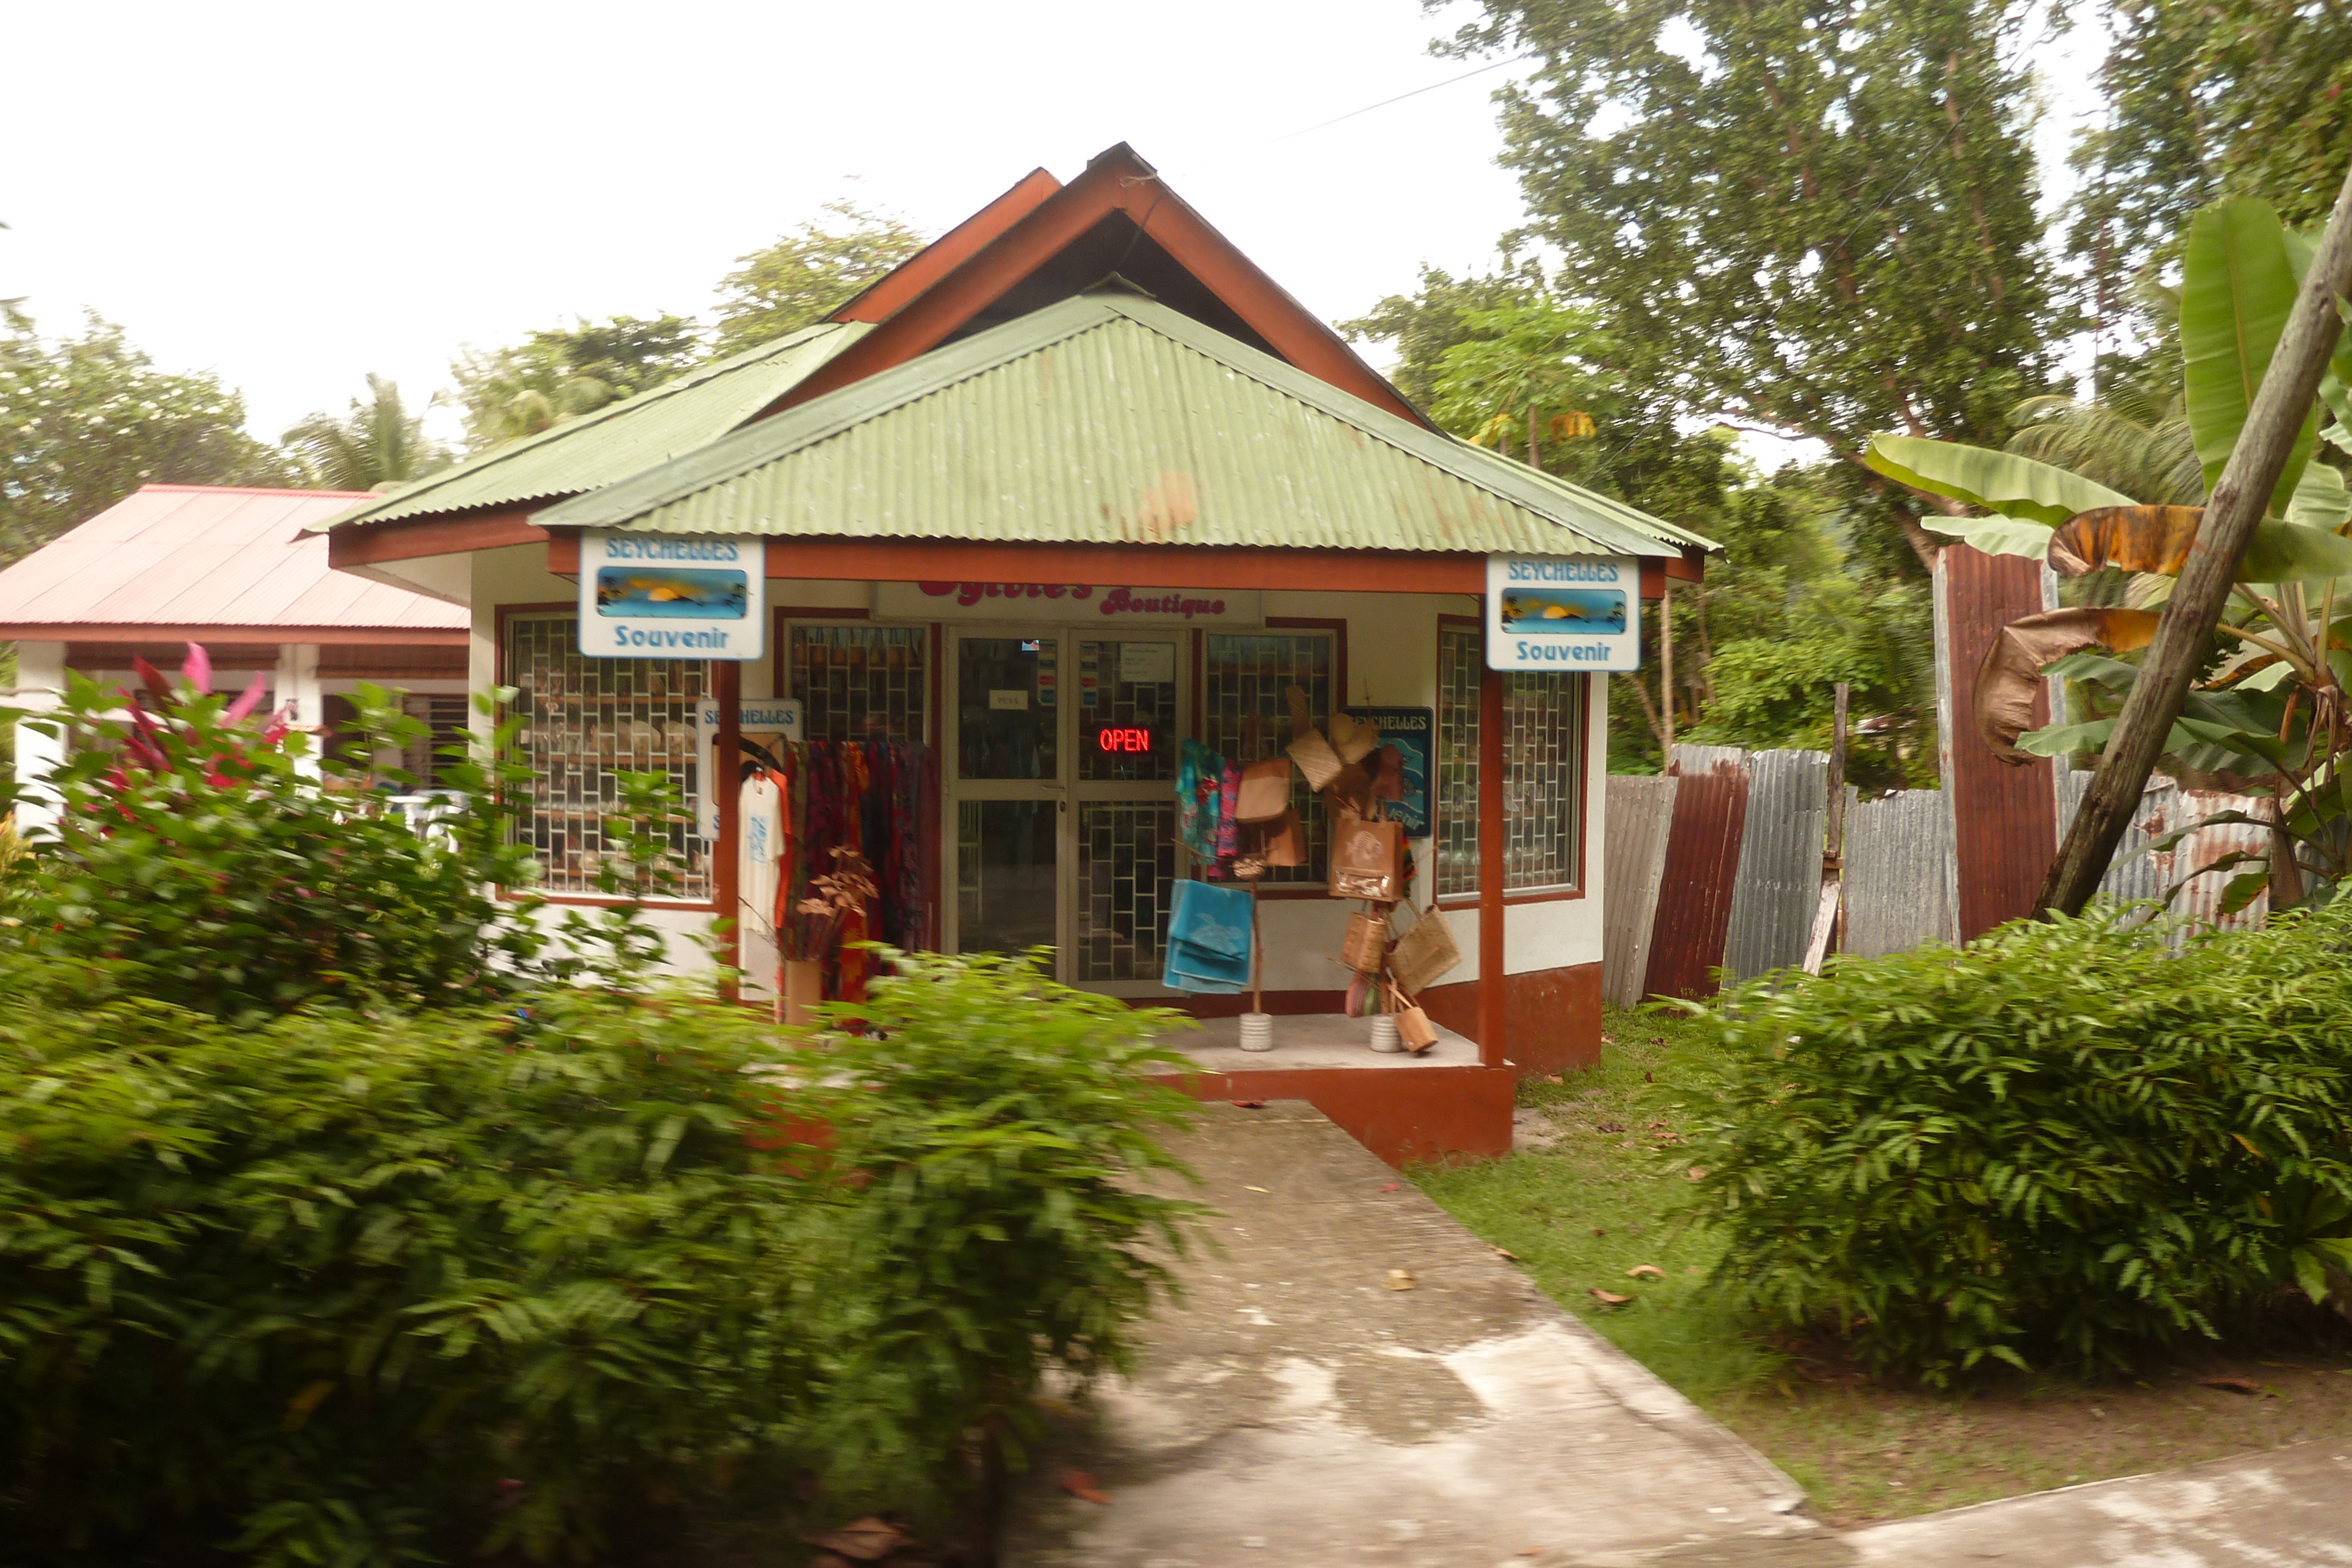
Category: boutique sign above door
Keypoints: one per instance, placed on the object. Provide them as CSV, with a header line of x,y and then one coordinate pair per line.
x,y
647,596
1564,613
1127,604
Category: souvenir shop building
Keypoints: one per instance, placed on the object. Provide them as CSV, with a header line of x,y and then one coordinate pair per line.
x,y
1074,487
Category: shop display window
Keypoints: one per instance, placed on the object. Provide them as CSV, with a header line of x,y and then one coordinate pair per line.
x,y
1246,717
1543,782
585,720
861,682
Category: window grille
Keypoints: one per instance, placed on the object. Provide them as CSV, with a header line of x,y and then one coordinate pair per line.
x,y
446,719
585,720
1246,717
1543,718
1127,872
861,682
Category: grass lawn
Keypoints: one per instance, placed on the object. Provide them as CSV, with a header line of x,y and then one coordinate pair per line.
x,y
1584,1212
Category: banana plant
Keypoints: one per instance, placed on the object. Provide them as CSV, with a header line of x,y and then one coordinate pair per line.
x,y
2273,706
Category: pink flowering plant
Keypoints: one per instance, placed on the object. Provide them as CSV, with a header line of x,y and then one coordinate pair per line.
x,y
195,859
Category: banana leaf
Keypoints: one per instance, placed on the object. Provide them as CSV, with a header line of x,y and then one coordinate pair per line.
x,y
2016,488
2010,675
2320,499
2157,540
2238,286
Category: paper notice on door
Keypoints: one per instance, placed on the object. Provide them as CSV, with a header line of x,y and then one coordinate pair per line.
x,y
1012,701
1148,664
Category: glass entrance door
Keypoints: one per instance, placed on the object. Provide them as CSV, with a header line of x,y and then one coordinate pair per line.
x,y
1064,826
1009,793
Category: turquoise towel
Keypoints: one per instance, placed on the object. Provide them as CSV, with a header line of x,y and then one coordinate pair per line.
x,y
1213,918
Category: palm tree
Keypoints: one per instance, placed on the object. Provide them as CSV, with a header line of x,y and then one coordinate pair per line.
x,y
2133,437
377,445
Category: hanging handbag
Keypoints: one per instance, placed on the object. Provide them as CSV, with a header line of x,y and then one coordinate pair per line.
x,y
1283,842
1315,758
1366,946
1367,859
1424,954
1265,792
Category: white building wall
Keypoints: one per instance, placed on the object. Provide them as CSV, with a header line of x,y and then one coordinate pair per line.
x,y
1391,661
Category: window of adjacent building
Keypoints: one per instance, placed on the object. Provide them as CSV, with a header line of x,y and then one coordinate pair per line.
x,y
861,683
585,720
1246,717
1543,717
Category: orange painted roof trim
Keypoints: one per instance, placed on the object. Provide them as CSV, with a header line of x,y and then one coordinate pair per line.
x,y
886,296
1115,181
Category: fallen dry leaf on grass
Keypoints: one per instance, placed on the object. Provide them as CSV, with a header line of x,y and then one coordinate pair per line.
x,y
867,1539
1400,1280
1698,1173
1505,1252
1608,1297
1646,1272
2234,1386
1080,1485
1609,1126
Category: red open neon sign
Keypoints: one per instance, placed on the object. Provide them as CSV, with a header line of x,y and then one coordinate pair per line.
x,y
1110,739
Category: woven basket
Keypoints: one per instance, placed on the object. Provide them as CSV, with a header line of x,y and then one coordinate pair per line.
x,y
1366,949
1424,954
1315,758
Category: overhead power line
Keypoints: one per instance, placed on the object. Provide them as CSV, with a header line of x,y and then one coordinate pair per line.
x,y
1432,87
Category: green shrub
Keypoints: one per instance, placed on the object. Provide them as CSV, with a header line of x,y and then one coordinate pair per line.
x,y
1004,1122
346,1289
195,859
2056,1145
353,1288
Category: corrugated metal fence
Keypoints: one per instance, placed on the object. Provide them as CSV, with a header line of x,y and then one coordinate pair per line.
x,y
1718,866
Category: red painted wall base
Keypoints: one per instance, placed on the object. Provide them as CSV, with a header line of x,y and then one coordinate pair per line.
x,y
1551,1020
1404,1114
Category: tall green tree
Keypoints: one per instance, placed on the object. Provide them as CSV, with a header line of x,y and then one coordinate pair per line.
x,y
377,444
2205,98
808,272
85,421
562,372
1790,611
1814,219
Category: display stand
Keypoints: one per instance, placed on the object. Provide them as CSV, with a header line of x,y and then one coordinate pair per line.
x,y
1257,1024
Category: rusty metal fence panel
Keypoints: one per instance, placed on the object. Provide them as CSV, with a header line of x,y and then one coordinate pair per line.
x,y
1633,860
1778,884
1702,864
1897,853
2164,807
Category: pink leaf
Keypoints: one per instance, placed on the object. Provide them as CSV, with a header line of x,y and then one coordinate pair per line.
x,y
153,678
248,700
198,669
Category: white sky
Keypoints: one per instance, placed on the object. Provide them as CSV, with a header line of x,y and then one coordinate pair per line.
x,y
294,194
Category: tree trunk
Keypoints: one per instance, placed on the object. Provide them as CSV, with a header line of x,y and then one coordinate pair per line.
x,y
2239,500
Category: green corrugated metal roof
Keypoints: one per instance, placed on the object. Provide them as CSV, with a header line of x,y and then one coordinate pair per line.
x,y
621,438
1109,418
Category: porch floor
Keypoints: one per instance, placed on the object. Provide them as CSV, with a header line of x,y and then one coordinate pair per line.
x,y
1312,1040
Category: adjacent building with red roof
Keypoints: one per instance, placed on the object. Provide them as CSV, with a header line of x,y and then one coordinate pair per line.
x,y
233,569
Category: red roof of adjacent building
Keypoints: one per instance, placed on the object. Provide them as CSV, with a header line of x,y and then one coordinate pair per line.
x,y
192,560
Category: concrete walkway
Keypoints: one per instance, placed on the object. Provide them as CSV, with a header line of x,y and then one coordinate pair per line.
x,y
1298,1410
2289,1508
